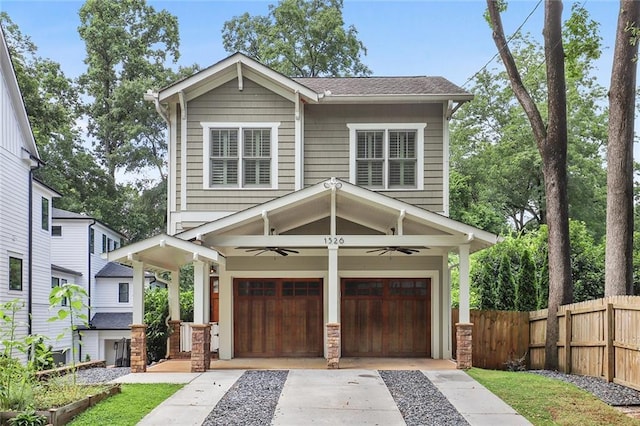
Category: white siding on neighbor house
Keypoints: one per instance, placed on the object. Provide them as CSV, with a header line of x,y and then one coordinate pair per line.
x,y
42,312
105,296
98,344
14,208
70,249
254,104
326,144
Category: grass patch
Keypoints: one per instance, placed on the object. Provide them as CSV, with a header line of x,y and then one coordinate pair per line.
x,y
128,407
57,392
545,401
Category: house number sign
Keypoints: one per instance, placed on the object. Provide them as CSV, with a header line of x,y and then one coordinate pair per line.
x,y
334,240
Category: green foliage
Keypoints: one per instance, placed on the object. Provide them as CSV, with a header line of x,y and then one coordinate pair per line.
x,y
513,275
28,418
496,178
69,300
127,43
127,407
299,38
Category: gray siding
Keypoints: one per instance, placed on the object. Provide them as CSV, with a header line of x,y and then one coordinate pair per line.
x,y
326,144
227,104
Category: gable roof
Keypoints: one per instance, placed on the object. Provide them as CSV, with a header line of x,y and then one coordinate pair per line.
x,y
9,74
65,270
313,89
116,270
360,205
60,214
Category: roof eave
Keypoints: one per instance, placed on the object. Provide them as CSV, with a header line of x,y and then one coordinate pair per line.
x,y
405,98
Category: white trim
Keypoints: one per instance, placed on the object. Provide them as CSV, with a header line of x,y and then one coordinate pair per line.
x,y
394,99
445,159
386,127
250,64
173,165
206,166
298,144
183,152
446,307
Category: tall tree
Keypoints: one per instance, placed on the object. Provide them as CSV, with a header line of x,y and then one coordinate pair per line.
x,y
552,145
622,93
128,44
299,38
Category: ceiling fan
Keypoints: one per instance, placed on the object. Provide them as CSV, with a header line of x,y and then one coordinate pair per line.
x,y
280,250
385,250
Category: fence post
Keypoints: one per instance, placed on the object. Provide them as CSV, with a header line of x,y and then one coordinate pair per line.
x,y
609,335
567,341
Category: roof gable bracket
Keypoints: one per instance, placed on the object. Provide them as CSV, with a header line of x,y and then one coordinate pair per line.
x,y
183,105
333,184
265,220
240,80
451,109
400,223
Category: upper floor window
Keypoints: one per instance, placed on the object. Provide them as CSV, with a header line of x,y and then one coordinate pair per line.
x,y
56,231
92,237
45,213
240,155
123,292
387,156
15,273
105,247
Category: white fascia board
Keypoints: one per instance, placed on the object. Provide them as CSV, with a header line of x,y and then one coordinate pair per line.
x,y
388,99
126,253
6,65
343,241
46,190
231,61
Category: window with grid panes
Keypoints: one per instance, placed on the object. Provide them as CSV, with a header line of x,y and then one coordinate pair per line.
x,y
224,157
370,158
257,157
402,159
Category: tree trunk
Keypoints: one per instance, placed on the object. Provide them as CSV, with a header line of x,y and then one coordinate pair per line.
x,y
619,249
552,145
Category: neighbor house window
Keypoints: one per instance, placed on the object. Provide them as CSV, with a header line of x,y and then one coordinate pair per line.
x,y
387,156
15,273
240,155
92,235
45,213
56,231
105,247
123,292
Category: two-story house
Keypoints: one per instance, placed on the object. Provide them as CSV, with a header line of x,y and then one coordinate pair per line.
x,y
77,243
319,206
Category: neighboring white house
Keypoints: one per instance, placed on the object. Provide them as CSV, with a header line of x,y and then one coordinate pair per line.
x,y
77,242
18,157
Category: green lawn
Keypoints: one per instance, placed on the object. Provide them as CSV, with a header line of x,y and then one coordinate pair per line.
x,y
545,401
128,407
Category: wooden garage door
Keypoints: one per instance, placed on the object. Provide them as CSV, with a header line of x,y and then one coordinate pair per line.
x,y
277,317
386,317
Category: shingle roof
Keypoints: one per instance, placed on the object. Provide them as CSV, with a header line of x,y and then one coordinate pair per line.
x,y
356,86
64,214
112,321
116,270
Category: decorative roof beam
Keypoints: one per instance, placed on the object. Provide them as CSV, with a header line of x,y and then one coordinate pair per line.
x,y
240,79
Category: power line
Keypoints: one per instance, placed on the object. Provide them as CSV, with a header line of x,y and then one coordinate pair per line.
x,y
508,40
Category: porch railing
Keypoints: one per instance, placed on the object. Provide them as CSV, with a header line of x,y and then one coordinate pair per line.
x,y
185,337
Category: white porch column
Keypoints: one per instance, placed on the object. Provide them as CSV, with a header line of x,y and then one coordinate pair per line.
x,y
200,282
225,313
174,296
333,286
463,250
138,292
446,308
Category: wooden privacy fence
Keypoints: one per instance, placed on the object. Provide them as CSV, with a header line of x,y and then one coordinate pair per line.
x,y
498,336
598,338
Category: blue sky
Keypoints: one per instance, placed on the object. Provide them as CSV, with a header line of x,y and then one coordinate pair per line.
x,y
421,37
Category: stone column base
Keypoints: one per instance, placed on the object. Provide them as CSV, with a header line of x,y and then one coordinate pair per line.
x,y
174,339
200,347
138,348
333,345
464,348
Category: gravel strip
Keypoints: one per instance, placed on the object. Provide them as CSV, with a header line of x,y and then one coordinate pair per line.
x,y
610,393
419,401
101,375
251,400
